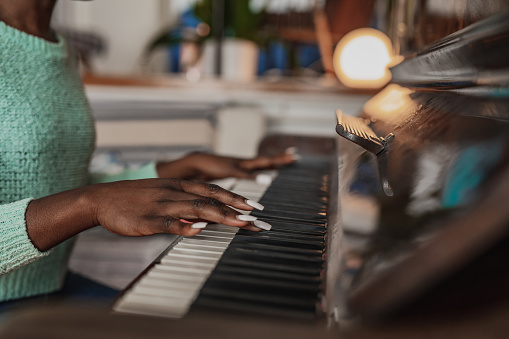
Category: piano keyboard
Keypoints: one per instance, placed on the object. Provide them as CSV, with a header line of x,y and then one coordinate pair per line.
x,y
278,271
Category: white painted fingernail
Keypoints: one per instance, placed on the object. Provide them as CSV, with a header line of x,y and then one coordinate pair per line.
x,y
200,224
291,150
262,224
263,179
254,204
245,217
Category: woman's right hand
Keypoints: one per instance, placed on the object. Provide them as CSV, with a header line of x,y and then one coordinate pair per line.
x,y
133,208
145,207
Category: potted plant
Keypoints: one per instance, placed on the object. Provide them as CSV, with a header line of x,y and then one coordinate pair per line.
x,y
242,36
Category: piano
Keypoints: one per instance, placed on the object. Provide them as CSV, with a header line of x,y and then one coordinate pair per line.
x,y
397,227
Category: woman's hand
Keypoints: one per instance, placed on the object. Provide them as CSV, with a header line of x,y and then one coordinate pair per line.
x,y
145,207
134,208
204,167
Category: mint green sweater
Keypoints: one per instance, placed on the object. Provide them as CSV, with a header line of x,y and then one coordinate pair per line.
x,y
46,141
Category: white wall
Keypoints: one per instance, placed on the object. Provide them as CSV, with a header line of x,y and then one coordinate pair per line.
x,y
126,25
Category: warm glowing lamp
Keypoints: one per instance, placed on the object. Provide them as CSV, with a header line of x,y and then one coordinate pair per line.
x,y
361,59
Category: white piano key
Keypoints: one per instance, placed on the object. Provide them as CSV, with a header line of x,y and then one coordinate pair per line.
x,y
208,243
226,234
251,184
249,190
254,189
203,245
195,254
211,237
163,302
189,257
182,286
181,282
182,270
174,285
273,173
219,232
164,292
208,252
152,310
184,263
168,274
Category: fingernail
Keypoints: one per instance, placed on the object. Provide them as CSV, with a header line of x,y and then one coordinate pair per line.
x,y
254,204
245,217
263,179
262,224
291,150
200,224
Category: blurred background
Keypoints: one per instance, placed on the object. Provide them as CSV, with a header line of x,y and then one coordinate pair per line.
x,y
118,37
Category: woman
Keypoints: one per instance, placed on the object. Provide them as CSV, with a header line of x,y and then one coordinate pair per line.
x,y
47,137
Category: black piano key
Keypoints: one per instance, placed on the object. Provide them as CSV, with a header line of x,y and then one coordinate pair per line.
x,y
261,284
298,208
312,239
295,244
295,189
284,215
277,248
277,266
310,279
225,303
298,223
304,228
255,285
297,196
269,298
294,230
272,256
272,201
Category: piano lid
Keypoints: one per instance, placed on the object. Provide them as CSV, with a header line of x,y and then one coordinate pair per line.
x,y
474,56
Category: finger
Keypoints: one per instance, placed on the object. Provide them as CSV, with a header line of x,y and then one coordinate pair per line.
x,y
257,226
251,228
267,162
200,209
239,173
220,194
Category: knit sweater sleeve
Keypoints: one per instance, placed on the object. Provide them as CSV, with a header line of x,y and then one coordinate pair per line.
x,y
147,171
16,249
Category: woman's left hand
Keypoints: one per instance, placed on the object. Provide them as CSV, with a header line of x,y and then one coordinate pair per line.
x,y
205,167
